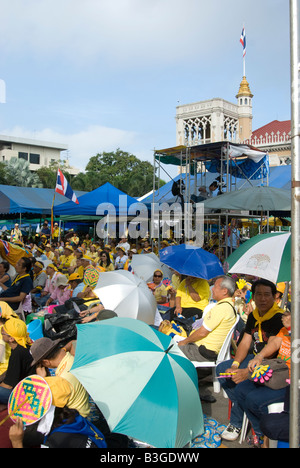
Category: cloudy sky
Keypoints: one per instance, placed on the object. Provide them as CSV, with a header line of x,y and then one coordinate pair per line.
x,y
99,75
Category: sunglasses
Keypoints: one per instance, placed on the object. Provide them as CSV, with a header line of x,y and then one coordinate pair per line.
x,y
157,276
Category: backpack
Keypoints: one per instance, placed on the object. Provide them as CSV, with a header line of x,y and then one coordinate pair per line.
x,y
80,428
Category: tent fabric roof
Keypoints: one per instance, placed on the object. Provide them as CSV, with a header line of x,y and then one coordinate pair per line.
x,y
280,177
28,200
106,196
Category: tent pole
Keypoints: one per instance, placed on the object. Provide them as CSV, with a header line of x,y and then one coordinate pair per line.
x,y
294,392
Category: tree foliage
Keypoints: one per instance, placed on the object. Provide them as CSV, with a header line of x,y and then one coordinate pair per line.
x,y
123,170
19,174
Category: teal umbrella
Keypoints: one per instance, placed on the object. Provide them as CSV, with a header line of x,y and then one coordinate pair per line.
x,y
140,380
267,256
252,199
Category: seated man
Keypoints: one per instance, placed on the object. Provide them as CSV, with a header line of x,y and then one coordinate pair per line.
x,y
14,332
76,283
205,343
264,322
48,354
21,285
39,278
67,260
52,274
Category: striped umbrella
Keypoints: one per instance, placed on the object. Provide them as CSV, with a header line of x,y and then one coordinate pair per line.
x,y
140,380
267,256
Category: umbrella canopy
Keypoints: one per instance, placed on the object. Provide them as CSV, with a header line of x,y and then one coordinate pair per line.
x,y
267,256
145,265
192,261
127,295
252,199
140,380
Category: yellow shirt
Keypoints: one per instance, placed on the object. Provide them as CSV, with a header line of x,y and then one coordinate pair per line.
x,y
79,398
218,321
6,354
66,262
55,232
176,281
201,286
160,293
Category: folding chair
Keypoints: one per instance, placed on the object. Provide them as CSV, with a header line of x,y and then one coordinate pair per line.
x,y
224,355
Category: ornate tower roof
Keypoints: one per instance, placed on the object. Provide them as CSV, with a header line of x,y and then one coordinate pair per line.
x,y
244,89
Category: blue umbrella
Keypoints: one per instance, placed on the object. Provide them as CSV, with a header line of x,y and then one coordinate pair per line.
x,y
192,261
140,380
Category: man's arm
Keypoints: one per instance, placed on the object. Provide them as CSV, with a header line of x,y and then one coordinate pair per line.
x,y
19,298
197,335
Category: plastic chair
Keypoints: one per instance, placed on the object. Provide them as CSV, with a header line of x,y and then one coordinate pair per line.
x,y
224,355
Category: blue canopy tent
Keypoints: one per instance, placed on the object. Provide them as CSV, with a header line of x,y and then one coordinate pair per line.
x,y
97,202
279,177
19,200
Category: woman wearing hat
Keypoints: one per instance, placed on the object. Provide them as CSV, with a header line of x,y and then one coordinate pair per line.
x,y
61,293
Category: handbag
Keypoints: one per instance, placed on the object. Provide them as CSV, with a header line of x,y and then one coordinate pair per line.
x,y
272,373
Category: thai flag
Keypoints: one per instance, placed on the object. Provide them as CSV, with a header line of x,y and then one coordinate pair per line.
x,y
6,247
243,41
63,187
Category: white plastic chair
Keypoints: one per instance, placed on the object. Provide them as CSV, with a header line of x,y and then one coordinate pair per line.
x,y
224,355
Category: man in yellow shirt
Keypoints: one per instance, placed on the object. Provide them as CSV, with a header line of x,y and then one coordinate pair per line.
x,y
205,343
192,297
47,353
67,261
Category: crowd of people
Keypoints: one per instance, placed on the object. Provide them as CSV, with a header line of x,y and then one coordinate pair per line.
x,y
199,313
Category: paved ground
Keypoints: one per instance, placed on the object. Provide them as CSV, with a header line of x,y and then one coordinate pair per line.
x,y
218,410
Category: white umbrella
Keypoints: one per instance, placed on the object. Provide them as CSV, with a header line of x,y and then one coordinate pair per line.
x,y
127,295
267,256
144,266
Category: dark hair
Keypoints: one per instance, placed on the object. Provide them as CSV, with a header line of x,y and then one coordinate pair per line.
x,y
6,265
27,264
64,416
108,261
264,282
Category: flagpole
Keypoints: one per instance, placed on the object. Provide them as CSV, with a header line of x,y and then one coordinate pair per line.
x,y
52,217
295,122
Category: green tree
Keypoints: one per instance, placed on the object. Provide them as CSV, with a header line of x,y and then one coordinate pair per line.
x,y
47,175
3,174
123,170
19,174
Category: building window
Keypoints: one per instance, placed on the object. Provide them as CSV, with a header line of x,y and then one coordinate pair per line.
x,y
34,158
23,155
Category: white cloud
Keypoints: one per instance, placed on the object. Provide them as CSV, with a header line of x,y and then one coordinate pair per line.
x,y
83,145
